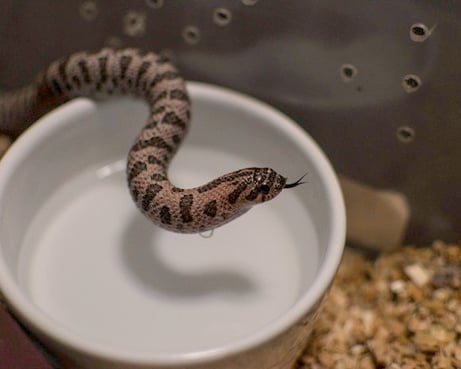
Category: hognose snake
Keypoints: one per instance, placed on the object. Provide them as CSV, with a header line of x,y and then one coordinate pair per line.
x,y
152,77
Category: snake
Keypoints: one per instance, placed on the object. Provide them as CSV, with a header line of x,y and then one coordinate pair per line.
x,y
154,78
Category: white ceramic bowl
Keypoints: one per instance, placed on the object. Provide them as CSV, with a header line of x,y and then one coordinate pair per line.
x,y
103,288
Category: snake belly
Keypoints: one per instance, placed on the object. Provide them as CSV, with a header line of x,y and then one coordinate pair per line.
x,y
153,78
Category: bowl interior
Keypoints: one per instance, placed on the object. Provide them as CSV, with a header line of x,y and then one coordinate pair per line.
x,y
79,261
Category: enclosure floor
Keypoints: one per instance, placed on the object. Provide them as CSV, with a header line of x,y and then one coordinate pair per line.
x,y
401,311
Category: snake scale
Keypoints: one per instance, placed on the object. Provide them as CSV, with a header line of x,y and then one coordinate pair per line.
x,y
153,78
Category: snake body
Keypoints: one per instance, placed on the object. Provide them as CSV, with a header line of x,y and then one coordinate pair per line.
x,y
151,77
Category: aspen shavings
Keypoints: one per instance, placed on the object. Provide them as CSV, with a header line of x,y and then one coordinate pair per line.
x,y
402,311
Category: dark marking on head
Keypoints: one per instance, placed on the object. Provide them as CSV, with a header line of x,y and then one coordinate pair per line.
x,y
211,208
125,61
185,205
138,167
165,215
224,179
82,64
151,191
252,195
234,195
155,141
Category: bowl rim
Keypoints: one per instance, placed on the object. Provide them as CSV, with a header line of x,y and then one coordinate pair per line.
x,y
64,337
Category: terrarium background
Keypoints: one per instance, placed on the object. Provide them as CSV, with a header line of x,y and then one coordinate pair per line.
x,y
336,67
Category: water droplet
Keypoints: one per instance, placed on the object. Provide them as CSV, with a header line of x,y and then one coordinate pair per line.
x,y
206,234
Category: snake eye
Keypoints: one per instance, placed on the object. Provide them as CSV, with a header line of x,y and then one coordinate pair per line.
x,y
264,189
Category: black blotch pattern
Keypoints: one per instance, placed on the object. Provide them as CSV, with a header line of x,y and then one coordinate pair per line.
x,y
176,139
224,179
185,205
165,215
151,191
178,94
84,70
102,63
57,87
125,62
135,194
160,96
145,65
167,76
158,110
158,177
211,209
152,123
155,141
62,68
151,159
138,167
173,119
76,82
252,195
234,195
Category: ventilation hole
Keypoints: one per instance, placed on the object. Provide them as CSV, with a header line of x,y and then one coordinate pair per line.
x,y
88,10
348,72
406,134
411,83
249,2
419,32
191,34
155,4
134,23
114,42
222,16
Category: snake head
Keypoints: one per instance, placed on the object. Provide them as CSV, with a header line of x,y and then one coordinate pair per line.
x,y
263,184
